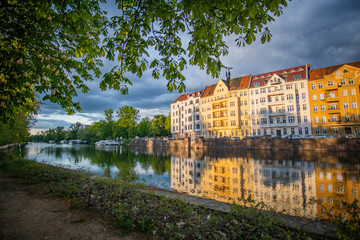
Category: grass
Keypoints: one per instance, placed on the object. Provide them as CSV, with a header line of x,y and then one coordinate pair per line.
x,y
142,211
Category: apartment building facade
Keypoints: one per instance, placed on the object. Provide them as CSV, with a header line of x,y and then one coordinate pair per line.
x,y
279,103
225,109
185,115
334,99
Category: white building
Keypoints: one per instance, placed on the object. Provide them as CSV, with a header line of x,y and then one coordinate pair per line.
x,y
185,115
279,103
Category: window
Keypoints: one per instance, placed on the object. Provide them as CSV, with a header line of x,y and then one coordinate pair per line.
x,y
305,119
299,119
320,85
356,130
335,130
306,130
245,93
344,93
233,123
316,119
334,118
330,83
303,96
354,104
304,106
324,130
302,85
342,82
315,108
347,117
323,119
346,105
322,107
300,130
314,97
232,104
313,86
321,96
263,120
352,92
290,108
262,100
285,131
317,131
291,119
355,117
289,97
351,81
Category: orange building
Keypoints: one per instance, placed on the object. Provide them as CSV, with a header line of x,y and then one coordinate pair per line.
x,y
335,100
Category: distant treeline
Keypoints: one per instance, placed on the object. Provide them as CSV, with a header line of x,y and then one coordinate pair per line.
x,y
125,125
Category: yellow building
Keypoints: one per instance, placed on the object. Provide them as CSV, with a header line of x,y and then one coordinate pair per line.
x,y
225,109
227,179
334,99
336,183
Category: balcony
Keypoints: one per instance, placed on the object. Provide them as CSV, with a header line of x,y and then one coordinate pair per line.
x,y
329,88
332,99
279,113
219,106
220,116
276,103
334,110
276,125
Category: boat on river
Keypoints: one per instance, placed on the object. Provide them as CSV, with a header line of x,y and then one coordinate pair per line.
x,y
106,142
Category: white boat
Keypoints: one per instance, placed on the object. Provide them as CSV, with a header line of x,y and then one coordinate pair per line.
x,y
111,142
101,143
75,142
106,142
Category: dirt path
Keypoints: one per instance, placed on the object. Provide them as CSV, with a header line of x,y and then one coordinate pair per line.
x,y
26,212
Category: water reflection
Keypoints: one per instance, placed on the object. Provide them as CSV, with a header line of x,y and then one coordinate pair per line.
x,y
110,161
283,181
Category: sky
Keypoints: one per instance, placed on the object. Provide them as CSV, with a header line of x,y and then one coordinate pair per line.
x,y
317,32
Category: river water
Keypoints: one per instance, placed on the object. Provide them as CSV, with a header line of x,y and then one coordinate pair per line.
x,y
305,184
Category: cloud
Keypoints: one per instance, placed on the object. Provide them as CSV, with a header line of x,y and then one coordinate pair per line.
x,y
320,33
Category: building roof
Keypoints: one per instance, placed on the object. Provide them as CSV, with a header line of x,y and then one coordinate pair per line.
x,y
240,82
288,74
185,96
319,73
209,90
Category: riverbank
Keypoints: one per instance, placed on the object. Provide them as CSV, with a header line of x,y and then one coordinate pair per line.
x,y
155,213
294,145
29,212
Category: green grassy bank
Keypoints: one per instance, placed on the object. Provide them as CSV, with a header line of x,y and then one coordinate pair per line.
x,y
135,209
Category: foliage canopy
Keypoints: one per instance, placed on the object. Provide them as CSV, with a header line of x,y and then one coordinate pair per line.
x,y
50,48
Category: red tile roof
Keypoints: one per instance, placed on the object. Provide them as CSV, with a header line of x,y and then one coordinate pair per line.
x,y
319,73
183,97
209,90
240,82
287,73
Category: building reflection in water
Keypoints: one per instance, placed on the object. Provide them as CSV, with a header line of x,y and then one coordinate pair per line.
x,y
296,184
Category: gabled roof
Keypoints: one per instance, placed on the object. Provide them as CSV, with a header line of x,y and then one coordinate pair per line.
x,y
185,96
319,73
209,90
240,82
287,73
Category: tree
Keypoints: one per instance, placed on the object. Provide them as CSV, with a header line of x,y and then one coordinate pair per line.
x,y
143,128
74,129
168,124
157,126
50,48
127,119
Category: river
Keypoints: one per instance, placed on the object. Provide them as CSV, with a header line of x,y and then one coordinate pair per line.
x,y
304,184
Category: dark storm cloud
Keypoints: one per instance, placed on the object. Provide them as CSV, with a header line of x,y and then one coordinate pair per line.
x,y
320,33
